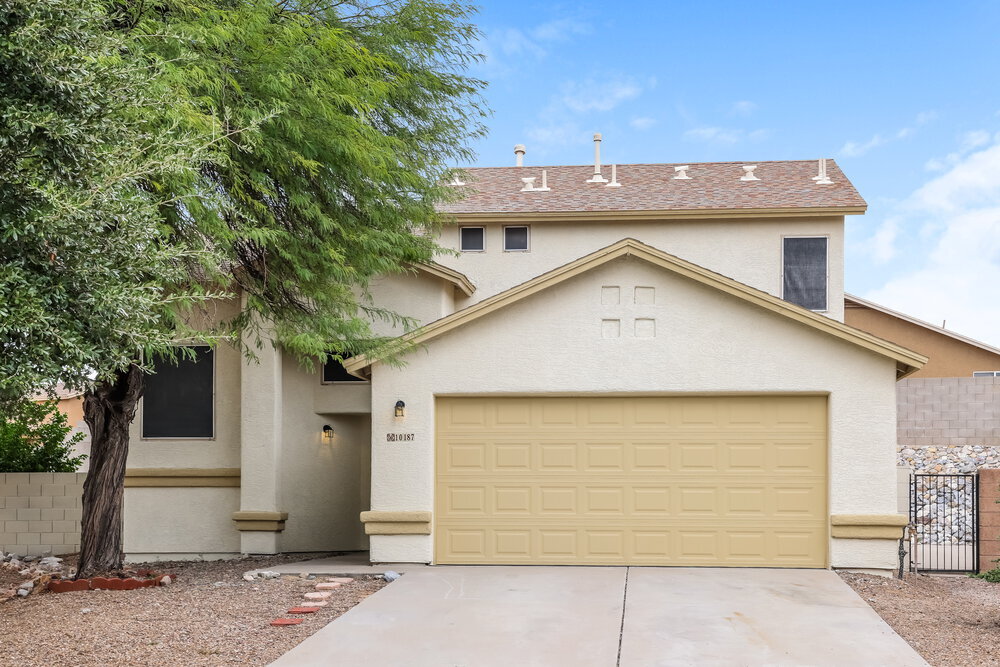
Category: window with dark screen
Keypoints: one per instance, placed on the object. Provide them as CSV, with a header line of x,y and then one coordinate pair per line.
x,y
804,272
472,239
334,371
178,401
515,239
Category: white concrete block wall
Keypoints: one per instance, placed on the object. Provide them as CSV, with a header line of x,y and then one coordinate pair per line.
x,y
40,512
949,411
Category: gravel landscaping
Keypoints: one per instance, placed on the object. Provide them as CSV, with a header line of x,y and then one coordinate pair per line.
x,y
209,616
949,620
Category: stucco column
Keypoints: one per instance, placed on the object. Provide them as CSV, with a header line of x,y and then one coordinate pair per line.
x,y
260,519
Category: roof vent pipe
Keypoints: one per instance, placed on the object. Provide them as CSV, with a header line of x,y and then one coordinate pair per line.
x,y
821,178
519,151
597,178
614,178
748,175
681,173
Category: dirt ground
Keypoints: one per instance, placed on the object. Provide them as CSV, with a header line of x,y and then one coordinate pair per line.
x,y
949,620
209,616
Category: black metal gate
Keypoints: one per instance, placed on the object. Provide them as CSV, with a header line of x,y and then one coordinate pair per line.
x,y
944,511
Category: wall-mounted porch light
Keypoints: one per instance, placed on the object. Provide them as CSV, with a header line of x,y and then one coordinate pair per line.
x,y
400,409
328,432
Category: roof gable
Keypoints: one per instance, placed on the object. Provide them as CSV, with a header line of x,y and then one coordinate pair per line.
x,y
907,361
456,278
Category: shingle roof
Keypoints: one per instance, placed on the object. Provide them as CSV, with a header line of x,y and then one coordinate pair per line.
x,y
652,187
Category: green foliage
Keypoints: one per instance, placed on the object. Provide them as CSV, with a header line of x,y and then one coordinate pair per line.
x,y
332,125
992,576
89,279
35,437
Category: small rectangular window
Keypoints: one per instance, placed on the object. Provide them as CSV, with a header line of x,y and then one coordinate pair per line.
x,y
178,400
985,374
473,239
515,239
334,371
804,271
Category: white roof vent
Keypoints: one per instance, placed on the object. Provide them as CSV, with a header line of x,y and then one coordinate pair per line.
x,y
455,180
748,173
519,151
529,183
821,178
614,178
597,178
681,173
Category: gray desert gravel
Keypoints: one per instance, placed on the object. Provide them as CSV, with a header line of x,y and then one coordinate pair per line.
x,y
208,616
949,620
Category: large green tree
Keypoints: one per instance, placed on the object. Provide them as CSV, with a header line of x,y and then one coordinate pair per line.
x,y
323,132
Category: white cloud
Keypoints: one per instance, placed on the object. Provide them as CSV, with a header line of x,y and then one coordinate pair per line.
x,y
744,108
857,148
560,30
854,148
504,46
725,135
596,95
968,141
642,123
561,122
952,227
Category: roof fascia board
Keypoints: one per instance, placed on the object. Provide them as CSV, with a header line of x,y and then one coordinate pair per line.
x,y
456,278
911,361
920,323
681,214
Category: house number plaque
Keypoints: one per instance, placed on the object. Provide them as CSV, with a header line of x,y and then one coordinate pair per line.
x,y
399,437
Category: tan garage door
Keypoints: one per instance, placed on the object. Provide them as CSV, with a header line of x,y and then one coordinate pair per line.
x,y
718,481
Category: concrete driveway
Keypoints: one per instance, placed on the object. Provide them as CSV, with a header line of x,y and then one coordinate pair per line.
x,y
607,616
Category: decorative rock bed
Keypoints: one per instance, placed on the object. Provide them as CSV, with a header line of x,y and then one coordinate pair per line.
x,y
949,459
938,506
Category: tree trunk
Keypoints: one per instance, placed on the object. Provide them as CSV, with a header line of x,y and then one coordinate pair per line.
x,y
108,409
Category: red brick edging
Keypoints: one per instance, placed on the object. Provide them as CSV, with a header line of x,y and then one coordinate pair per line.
x,y
105,583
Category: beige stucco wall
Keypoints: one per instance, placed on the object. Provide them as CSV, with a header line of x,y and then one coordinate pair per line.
x,y
414,294
746,250
705,341
180,523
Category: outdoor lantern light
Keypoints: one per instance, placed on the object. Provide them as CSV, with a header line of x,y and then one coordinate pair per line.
x,y
327,432
400,409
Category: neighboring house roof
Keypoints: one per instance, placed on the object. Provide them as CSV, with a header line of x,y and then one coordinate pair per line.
x,y
456,278
60,392
783,188
907,361
858,301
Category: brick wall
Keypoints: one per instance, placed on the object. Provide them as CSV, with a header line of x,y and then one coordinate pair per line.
x,y
40,512
989,519
948,411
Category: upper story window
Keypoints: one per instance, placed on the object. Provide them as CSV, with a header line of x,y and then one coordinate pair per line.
x,y
804,271
334,371
515,239
986,374
178,401
472,239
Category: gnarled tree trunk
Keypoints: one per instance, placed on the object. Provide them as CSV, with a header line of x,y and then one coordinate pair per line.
x,y
108,410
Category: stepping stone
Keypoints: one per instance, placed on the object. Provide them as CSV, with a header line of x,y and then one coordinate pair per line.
x,y
318,596
315,604
303,610
340,580
285,621
329,586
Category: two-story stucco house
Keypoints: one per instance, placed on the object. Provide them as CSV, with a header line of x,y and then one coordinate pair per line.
x,y
642,365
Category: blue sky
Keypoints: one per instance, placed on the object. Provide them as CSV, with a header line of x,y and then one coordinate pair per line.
x,y
894,91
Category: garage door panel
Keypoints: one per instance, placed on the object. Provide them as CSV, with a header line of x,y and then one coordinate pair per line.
x,y
723,481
